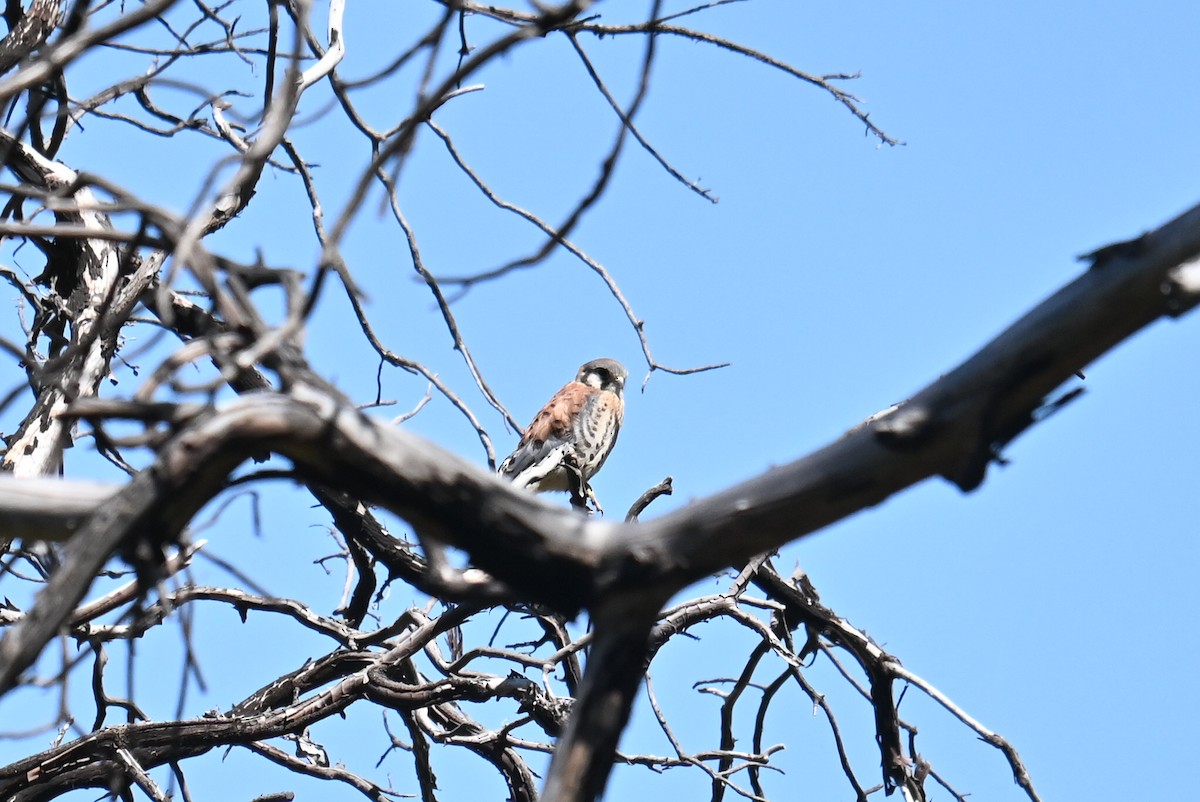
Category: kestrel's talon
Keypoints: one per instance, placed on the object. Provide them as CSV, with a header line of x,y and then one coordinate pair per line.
x,y
576,485
591,494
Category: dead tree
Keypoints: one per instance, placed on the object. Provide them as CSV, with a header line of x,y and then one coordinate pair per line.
x,y
112,559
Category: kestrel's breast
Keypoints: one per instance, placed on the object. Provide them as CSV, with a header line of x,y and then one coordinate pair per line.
x,y
596,429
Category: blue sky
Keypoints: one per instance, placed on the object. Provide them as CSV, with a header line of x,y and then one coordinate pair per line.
x,y
837,276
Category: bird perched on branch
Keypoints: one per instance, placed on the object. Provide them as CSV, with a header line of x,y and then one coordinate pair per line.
x,y
570,438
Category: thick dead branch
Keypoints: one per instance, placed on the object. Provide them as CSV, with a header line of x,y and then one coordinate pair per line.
x,y
51,510
87,283
583,756
67,49
29,33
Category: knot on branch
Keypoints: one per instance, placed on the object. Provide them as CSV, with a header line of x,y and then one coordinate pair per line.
x,y
901,426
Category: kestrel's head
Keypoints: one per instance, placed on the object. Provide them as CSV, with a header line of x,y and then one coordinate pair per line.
x,y
603,374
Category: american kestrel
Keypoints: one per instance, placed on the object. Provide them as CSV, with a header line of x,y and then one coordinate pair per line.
x,y
570,438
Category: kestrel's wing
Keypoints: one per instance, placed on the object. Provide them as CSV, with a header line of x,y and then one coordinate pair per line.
x,y
548,440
